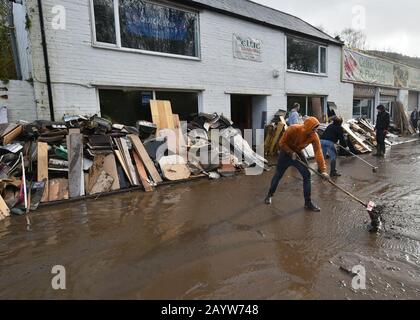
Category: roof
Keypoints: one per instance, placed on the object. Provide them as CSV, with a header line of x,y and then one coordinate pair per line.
x,y
261,14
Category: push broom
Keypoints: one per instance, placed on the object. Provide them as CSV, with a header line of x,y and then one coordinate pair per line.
x,y
374,211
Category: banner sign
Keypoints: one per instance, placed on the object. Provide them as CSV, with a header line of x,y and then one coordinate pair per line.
x,y
358,67
362,68
247,48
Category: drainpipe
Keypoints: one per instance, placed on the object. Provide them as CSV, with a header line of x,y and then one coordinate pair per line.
x,y
46,63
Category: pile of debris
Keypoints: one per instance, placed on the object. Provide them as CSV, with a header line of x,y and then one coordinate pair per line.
x,y
360,135
81,156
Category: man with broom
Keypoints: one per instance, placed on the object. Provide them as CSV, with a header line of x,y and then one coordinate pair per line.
x,y
295,139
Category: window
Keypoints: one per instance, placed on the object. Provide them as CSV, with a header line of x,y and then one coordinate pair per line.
x,y
306,56
130,105
104,21
362,108
146,26
309,106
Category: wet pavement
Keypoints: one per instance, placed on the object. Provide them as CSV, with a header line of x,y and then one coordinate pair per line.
x,y
218,240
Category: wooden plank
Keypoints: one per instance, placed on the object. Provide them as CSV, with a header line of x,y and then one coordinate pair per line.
x,y
12,135
122,163
4,209
58,189
142,173
95,171
43,167
144,156
110,167
154,108
129,162
177,122
277,135
103,183
168,115
162,114
76,176
347,129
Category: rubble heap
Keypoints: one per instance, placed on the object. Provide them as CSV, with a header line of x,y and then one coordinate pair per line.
x,y
46,161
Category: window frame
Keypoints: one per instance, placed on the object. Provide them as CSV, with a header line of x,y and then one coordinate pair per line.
x,y
370,101
320,45
118,47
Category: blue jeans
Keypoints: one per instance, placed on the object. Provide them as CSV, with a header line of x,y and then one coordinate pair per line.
x,y
283,163
328,147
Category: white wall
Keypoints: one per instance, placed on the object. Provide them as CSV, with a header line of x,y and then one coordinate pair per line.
x,y
339,92
77,67
20,102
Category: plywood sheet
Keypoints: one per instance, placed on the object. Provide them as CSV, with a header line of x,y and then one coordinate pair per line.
x,y
76,176
144,156
43,167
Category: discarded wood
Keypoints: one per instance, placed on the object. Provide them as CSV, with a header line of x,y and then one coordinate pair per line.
x,y
347,129
103,183
43,167
129,162
277,135
58,189
110,167
177,122
148,163
4,209
162,114
122,163
76,176
94,172
12,135
174,168
142,173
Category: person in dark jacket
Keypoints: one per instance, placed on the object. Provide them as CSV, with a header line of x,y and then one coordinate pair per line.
x,y
332,135
383,120
414,118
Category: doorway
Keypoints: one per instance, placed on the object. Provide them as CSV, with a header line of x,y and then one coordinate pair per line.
x,y
241,112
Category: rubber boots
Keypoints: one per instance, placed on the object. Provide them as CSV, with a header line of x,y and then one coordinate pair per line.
x,y
334,172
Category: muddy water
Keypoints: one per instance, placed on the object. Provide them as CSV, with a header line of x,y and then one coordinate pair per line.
x,y
217,240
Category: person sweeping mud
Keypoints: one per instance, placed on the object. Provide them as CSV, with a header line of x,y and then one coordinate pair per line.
x,y
295,139
332,135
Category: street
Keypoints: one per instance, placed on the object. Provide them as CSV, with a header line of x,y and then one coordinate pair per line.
x,y
218,240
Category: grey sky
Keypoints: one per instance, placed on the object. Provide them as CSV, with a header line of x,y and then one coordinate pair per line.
x,y
390,25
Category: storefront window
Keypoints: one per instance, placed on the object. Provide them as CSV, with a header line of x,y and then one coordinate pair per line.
x,y
362,108
147,26
306,56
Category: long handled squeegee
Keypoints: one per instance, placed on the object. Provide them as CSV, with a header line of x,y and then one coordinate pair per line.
x,y
374,169
373,210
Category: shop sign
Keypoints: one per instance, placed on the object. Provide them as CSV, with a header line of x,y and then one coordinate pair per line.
x,y
247,48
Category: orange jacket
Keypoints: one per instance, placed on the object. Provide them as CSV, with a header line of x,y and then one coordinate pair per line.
x,y
297,137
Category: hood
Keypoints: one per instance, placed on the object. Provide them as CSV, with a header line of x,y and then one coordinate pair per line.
x,y
310,124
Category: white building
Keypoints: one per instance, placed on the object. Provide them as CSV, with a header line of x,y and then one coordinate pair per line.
x,y
239,58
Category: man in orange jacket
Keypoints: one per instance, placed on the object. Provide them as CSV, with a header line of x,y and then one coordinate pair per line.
x,y
295,139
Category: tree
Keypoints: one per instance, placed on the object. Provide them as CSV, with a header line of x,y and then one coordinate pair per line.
x,y
353,38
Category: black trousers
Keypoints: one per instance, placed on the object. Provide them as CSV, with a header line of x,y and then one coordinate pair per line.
x,y
380,139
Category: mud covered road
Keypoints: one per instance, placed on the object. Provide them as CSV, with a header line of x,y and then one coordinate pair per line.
x,y
218,240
